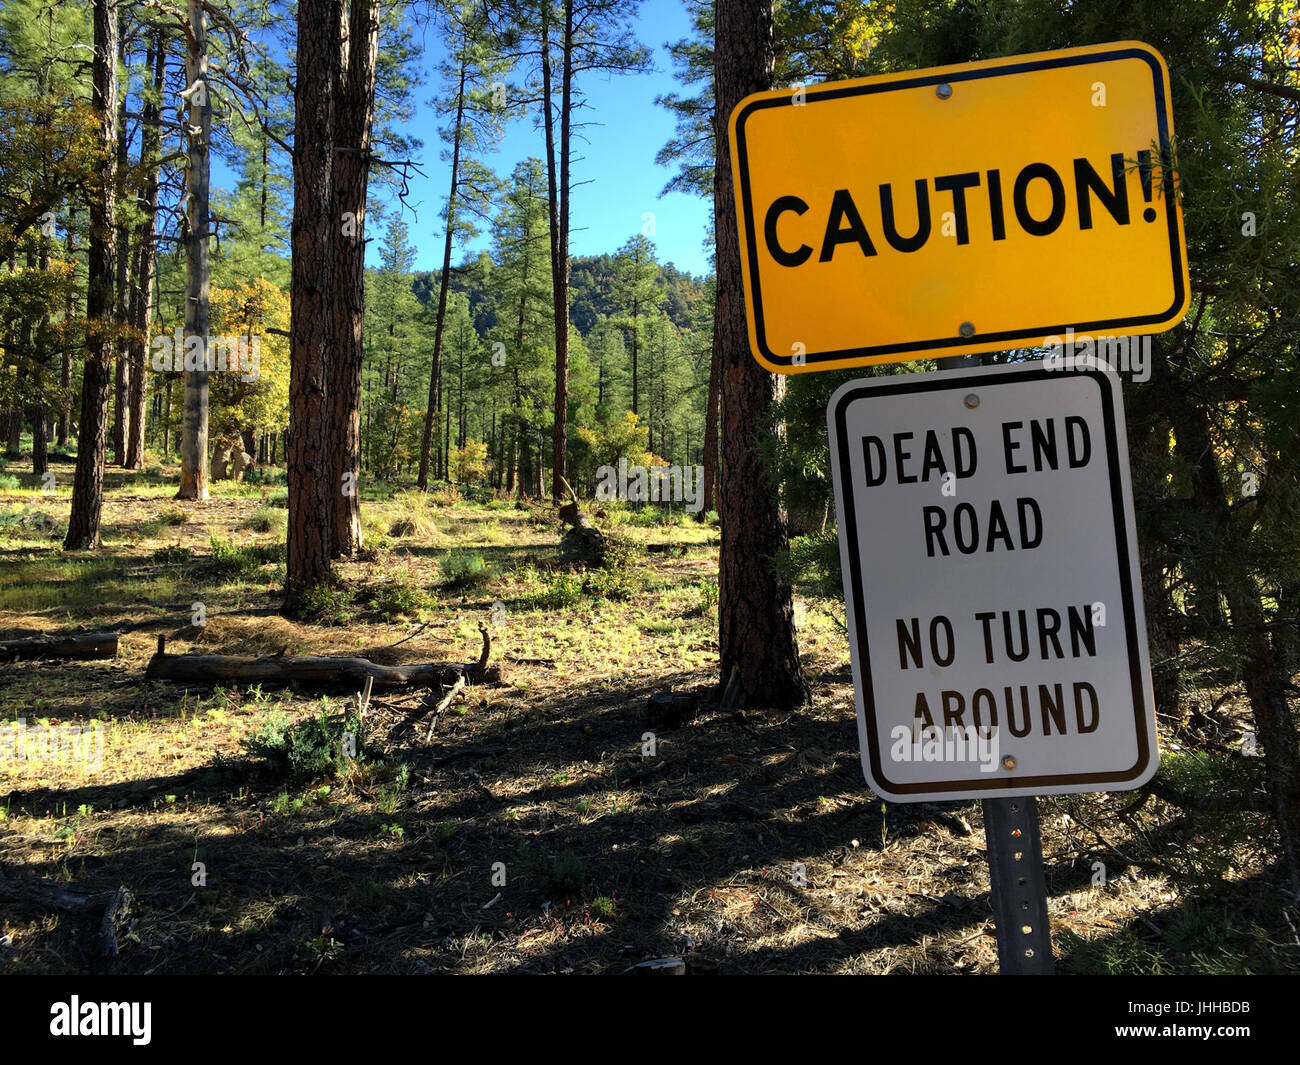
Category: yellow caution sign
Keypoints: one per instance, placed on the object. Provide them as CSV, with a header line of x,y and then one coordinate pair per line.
x,y
960,209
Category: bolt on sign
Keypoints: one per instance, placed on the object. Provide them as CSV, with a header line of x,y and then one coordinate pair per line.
x,y
991,578
960,209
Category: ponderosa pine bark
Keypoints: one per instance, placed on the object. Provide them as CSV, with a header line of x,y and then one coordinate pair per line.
x,y
88,481
355,116
146,254
711,412
756,616
122,362
314,232
194,416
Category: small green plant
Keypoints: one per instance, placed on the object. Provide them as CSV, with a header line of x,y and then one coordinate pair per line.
x,y
173,516
602,907
707,600
8,481
231,559
173,555
566,873
266,520
264,475
326,604
464,569
557,591
618,583
393,831
1123,953
325,948
399,594
310,748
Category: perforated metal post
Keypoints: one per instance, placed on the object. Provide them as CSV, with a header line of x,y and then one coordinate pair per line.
x,y
1017,886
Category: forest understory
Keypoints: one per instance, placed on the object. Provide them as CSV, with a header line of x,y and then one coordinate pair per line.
x,y
747,842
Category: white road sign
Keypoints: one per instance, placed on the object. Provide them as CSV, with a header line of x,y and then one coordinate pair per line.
x,y
991,577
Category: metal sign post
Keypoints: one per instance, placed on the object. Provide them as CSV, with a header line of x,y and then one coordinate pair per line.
x,y
1017,886
1014,843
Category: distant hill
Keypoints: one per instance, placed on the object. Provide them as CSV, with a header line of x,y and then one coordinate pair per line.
x,y
590,282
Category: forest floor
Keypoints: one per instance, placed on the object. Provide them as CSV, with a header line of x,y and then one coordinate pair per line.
x,y
747,842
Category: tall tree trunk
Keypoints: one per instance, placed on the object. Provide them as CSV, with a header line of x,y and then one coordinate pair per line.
x,y
38,410
194,433
314,232
756,617
558,203
435,370
65,369
146,253
355,114
88,481
40,444
636,336
123,293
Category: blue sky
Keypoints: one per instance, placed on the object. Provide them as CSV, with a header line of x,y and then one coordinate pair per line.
x,y
623,183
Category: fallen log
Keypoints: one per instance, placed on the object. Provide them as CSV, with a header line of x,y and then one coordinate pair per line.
x,y
50,894
74,645
316,672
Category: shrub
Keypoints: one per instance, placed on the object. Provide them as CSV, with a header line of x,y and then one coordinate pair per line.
x,y
562,874
464,569
265,520
265,475
326,604
565,873
708,596
309,748
558,590
620,583
400,593
173,516
26,518
446,496
231,559
173,554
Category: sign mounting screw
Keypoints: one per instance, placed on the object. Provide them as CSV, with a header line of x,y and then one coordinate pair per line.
x,y
1008,762
943,90
972,400
966,329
